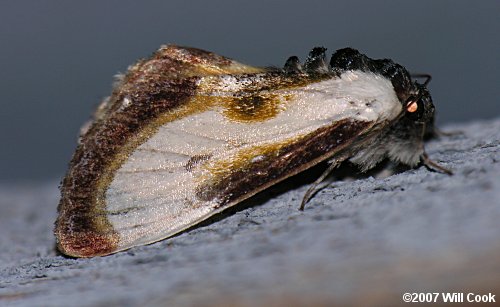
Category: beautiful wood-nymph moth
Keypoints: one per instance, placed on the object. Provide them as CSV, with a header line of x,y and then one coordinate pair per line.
x,y
188,133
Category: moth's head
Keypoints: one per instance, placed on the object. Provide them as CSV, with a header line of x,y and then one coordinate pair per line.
x,y
404,135
418,105
414,96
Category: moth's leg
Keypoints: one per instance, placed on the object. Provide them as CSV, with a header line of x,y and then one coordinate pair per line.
x,y
440,133
433,165
312,188
431,131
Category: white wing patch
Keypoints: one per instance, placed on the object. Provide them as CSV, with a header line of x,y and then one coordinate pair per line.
x,y
152,195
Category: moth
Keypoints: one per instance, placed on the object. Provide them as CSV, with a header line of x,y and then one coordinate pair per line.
x,y
188,133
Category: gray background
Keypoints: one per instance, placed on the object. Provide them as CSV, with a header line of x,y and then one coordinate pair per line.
x,y
57,58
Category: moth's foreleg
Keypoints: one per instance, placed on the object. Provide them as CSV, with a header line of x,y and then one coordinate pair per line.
x,y
433,165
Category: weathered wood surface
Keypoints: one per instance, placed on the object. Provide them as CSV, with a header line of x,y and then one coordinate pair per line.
x,y
361,241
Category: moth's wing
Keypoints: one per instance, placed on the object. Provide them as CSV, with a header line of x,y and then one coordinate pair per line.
x,y
148,90
206,151
198,165
171,63
181,177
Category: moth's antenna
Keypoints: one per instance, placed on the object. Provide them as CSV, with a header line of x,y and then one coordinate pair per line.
x,y
312,188
427,77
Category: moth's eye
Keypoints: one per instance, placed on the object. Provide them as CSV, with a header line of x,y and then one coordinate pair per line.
x,y
415,108
412,106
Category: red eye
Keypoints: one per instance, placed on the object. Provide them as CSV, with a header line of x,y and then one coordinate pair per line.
x,y
412,106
